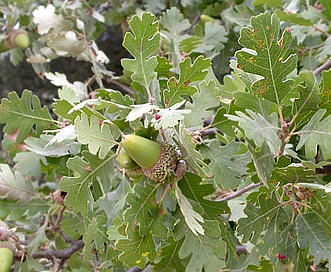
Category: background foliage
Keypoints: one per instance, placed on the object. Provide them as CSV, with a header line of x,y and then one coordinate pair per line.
x,y
241,87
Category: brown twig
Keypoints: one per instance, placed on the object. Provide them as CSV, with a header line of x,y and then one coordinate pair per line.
x,y
325,66
60,254
121,85
239,192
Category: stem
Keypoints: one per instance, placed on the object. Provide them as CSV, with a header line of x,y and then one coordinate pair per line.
x,y
240,192
325,66
127,89
321,30
60,254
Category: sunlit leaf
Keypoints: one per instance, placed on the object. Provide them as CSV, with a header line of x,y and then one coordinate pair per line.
x,y
142,43
267,55
189,73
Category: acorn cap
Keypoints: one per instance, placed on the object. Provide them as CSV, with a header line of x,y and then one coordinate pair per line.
x,y
166,163
143,151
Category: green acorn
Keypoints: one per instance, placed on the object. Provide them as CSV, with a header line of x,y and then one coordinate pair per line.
x,y
16,39
125,160
7,249
6,259
156,159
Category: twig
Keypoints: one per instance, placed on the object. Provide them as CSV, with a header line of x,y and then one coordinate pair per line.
x,y
195,21
60,254
240,192
121,85
321,30
325,66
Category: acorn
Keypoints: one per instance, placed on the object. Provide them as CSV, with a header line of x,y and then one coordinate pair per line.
x,y
6,259
16,39
7,250
156,159
125,160
133,169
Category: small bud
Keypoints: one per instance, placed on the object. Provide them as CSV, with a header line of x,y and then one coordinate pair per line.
x,y
281,256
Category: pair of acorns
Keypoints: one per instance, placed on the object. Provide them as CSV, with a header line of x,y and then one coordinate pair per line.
x,y
154,159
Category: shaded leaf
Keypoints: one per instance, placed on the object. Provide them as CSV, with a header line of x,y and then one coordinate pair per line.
x,y
78,187
202,104
144,216
258,129
192,218
265,215
316,133
173,25
137,251
204,252
314,230
98,138
227,163
13,186
170,260
192,188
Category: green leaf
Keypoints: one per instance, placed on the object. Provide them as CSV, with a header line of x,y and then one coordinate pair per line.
x,y
266,214
170,117
86,173
28,163
14,186
170,260
257,104
315,230
173,25
24,114
88,238
215,37
202,104
142,43
23,211
113,203
263,159
227,163
309,98
137,251
144,213
258,129
293,18
240,15
268,3
187,147
192,218
191,187
204,252
268,57
326,10
316,133
293,173
189,73
42,147
98,138
326,90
